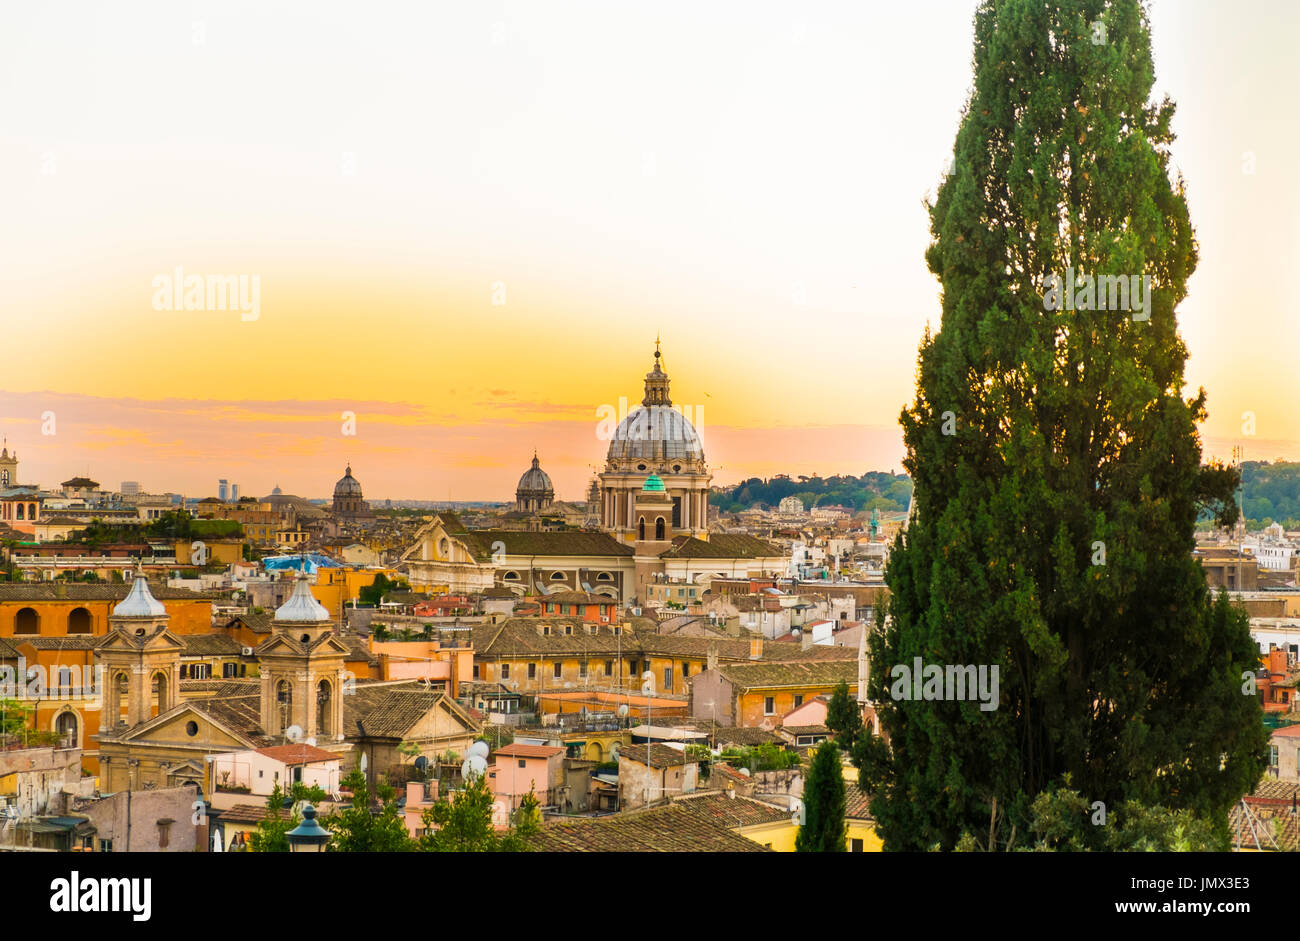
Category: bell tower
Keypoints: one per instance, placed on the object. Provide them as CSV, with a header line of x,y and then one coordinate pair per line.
x,y
140,658
8,468
302,670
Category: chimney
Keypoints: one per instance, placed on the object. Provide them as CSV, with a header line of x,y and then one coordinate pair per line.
x,y
756,648
60,589
1277,661
805,640
711,660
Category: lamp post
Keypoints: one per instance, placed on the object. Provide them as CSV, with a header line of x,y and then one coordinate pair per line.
x,y
309,836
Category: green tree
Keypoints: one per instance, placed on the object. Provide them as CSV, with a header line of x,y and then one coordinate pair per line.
x,y
844,717
361,828
824,829
1057,467
463,824
14,715
271,835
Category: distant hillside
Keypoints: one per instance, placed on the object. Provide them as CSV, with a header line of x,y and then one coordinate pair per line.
x,y
1270,493
874,490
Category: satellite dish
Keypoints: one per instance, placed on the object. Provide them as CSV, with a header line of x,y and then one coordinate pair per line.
x,y
478,750
421,762
622,711
613,751
363,763
473,767
293,733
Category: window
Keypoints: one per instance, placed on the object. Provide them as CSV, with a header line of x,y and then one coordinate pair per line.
x,y
1272,756
798,701
582,668
557,671
609,667
164,830
511,576
568,630
659,528
668,679
106,846
26,622
79,621
557,576
686,669
769,706
476,671
532,671
505,671
522,763
856,846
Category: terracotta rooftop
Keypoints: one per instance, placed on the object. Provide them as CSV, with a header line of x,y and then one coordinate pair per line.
x,y
517,750
717,807
297,754
655,755
670,829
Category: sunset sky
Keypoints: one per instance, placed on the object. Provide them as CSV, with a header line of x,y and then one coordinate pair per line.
x,y
745,180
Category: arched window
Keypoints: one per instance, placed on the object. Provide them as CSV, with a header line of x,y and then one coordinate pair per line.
x,y
27,622
159,704
511,576
284,698
123,696
65,726
659,528
21,507
31,511
640,528
323,711
443,547
557,576
79,621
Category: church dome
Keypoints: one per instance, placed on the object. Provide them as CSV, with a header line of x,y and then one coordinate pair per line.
x,y
535,480
654,484
655,431
348,486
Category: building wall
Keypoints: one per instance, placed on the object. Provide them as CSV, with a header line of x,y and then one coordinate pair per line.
x,y
187,616
131,820
753,712
638,782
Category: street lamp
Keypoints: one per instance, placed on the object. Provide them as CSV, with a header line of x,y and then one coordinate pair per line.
x,y
309,836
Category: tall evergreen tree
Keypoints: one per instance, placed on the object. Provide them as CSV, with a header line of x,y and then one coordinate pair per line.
x,y
844,717
823,830
1057,467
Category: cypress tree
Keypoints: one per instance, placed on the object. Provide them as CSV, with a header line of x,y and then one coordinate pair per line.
x,y
823,830
1057,466
844,717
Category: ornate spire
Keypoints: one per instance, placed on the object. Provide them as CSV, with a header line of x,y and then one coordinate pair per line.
x,y
656,383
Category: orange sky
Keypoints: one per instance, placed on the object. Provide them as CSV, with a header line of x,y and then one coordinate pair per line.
x,y
746,181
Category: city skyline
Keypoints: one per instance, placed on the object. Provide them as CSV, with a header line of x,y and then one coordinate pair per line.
x,y
769,230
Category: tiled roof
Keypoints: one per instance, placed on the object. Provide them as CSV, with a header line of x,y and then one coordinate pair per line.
x,y
257,623
717,807
209,645
670,829
734,735
67,642
240,713
6,651
223,687
576,597
242,813
746,676
297,754
655,755
857,805
388,711
806,729
518,750
722,546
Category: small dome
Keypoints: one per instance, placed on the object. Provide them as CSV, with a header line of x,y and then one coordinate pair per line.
x,y
653,484
302,605
348,486
535,480
139,601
